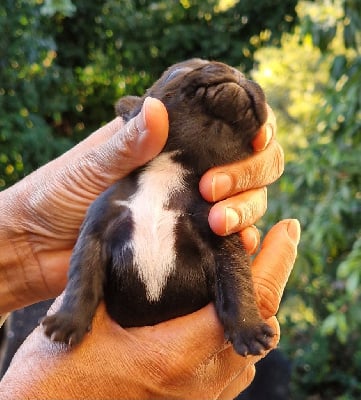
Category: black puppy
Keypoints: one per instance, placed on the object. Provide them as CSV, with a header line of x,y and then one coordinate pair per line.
x,y
145,245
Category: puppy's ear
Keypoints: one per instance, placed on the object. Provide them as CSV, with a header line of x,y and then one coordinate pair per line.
x,y
126,107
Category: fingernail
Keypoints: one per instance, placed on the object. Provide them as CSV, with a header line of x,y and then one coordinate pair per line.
x,y
269,134
262,140
252,236
222,184
294,230
141,122
232,220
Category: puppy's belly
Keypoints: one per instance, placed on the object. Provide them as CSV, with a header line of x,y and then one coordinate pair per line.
x,y
148,281
129,306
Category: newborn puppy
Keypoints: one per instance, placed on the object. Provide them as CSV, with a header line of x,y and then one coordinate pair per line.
x,y
145,245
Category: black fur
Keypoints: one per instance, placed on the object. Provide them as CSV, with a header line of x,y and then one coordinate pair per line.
x,y
214,113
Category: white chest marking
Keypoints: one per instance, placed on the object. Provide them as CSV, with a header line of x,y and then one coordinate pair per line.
x,y
153,240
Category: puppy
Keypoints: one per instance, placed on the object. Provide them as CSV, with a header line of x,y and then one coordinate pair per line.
x,y
145,245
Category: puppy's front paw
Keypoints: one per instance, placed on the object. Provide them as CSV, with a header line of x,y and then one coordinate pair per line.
x,y
63,327
251,340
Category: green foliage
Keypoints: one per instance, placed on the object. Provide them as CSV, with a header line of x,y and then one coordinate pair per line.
x,y
152,35
294,77
27,77
64,63
52,7
321,313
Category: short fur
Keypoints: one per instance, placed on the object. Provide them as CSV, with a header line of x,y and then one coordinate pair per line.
x,y
145,245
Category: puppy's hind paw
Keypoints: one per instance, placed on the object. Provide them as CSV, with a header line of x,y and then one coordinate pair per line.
x,y
254,340
62,327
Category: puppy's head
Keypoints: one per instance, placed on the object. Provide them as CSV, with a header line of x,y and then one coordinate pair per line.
x,y
214,111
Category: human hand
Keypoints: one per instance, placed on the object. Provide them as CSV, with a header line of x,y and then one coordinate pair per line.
x,y
182,358
41,215
240,188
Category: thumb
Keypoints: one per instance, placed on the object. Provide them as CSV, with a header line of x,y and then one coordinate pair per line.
x,y
137,142
273,265
67,185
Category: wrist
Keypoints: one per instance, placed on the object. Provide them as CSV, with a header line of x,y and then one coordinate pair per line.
x,y
17,261
13,284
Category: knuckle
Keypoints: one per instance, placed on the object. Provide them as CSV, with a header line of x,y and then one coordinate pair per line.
x,y
245,179
264,168
268,294
251,210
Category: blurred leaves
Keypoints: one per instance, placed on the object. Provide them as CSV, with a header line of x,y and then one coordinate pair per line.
x,y
63,7
63,63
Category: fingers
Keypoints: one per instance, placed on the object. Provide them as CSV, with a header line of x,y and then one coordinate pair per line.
x,y
213,364
250,238
238,212
258,170
242,186
67,185
141,139
108,154
266,132
272,266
